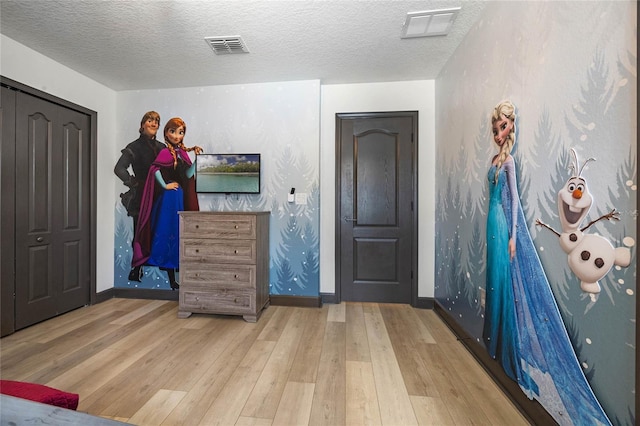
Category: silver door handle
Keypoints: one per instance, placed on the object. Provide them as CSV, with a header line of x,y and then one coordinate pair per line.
x,y
39,239
350,219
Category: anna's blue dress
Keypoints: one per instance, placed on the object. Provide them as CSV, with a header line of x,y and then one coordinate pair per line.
x,y
523,329
157,237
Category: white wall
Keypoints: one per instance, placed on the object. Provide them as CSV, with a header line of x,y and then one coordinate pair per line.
x,y
29,67
378,97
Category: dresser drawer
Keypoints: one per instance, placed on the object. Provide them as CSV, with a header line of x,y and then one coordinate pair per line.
x,y
223,226
223,300
207,275
218,251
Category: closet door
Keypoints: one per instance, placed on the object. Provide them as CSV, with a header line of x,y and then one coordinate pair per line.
x,y
52,204
7,211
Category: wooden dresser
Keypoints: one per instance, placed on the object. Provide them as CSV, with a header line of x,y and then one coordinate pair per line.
x,y
224,263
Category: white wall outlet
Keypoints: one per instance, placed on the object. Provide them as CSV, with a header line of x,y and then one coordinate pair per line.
x,y
301,198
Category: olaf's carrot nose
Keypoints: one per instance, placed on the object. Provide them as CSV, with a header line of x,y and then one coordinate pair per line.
x,y
577,194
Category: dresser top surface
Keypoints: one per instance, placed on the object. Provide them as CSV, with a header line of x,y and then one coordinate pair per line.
x,y
210,213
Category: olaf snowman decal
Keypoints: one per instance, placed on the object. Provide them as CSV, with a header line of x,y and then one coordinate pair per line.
x,y
590,256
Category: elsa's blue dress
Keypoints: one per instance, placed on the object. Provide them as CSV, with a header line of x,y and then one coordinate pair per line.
x,y
523,329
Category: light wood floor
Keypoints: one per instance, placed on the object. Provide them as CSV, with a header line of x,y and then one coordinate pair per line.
x,y
347,364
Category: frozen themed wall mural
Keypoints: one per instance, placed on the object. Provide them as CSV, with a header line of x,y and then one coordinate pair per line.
x,y
523,329
277,120
168,189
571,70
132,169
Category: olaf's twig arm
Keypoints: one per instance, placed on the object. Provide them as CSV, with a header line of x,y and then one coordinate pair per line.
x,y
612,215
540,223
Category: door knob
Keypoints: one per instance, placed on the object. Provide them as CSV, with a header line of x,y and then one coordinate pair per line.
x,y
39,239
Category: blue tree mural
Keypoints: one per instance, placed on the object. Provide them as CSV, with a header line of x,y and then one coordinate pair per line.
x,y
286,279
296,244
122,254
310,269
476,264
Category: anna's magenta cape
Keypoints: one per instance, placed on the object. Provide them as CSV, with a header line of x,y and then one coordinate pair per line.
x,y
144,233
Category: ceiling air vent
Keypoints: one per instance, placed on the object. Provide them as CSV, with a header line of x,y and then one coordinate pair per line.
x,y
227,45
429,23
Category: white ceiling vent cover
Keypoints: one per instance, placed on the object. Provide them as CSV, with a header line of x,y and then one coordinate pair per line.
x,y
429,23
227,45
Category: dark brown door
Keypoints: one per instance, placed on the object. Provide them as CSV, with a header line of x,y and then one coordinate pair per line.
x,y
7,211
52,205
376,225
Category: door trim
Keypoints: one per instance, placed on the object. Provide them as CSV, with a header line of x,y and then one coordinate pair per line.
x,y
414,197
8,211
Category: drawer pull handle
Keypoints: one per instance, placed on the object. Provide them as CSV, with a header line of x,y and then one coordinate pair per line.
x,y
235,251
236,226
197,275
235,276
197,226
235,300
197,299
197,250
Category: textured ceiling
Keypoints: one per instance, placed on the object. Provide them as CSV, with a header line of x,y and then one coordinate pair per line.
x,y
149,44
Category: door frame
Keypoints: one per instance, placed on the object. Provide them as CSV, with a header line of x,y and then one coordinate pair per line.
x,y
8,210
414,196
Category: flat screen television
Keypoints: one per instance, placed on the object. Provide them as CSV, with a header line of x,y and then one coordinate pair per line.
x,y
228,173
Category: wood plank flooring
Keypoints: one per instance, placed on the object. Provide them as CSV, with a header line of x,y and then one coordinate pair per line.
x,y
348,364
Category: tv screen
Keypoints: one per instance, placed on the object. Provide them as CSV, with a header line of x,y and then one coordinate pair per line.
x,y
228,173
